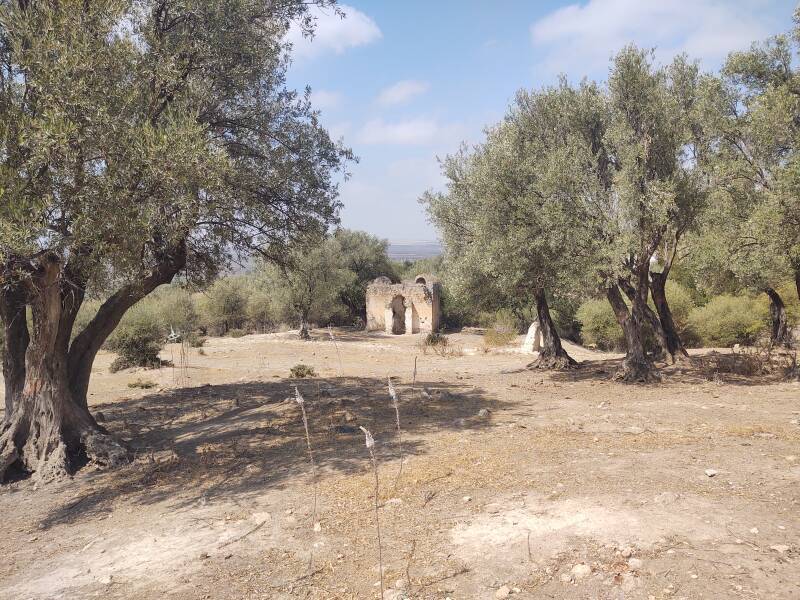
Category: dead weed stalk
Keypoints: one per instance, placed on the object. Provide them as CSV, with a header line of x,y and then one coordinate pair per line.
x,y
393,394
338,354
370,442
315,525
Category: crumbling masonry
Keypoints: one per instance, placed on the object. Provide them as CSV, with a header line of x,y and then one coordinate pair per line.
x,y
404,308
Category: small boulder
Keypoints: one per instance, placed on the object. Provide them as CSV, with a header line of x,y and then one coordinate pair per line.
x,y
503,592
580,571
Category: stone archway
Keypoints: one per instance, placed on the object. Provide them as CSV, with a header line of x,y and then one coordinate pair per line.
x,y
398,309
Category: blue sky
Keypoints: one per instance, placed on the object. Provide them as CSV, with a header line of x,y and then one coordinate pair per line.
x,y
406,82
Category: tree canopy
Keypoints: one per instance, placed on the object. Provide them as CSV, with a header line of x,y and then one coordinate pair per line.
x,y
141,138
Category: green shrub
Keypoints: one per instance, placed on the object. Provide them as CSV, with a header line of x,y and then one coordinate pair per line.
x,y
503,329
142,384
599,326
194,340
138,339
261,312
224,306
301,371
727,320
176,310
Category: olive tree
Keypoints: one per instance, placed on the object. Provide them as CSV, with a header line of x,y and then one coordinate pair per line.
x,y
309,284
140,139
510,221
753,228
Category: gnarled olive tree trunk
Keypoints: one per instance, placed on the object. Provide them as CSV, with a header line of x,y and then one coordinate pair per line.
x,y
636,366
779,332
674,346
49,431
16,339
651,318
552,354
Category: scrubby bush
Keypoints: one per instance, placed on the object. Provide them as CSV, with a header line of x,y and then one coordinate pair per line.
x,y
434,341
176,310
261,312
223,306
503,330
599,326
138,339
237,333
301,371
727,320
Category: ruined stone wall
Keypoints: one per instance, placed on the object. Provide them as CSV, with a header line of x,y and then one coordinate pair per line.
x,y
421,307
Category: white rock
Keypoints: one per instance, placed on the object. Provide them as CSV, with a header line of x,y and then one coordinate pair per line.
x,y
780,548
467,499
635,563
754,530
581,570
711,472
626,552
533,341
503,592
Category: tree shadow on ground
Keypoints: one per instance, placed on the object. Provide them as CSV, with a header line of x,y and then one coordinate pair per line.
x,y
237,440
712,367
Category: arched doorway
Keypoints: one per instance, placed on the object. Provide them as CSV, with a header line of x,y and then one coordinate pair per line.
x,y
398,315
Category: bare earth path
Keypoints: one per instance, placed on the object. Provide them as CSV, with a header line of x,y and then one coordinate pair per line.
x,y
541,486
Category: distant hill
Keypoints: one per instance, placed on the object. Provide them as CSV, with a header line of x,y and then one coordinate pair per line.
x,y
414,250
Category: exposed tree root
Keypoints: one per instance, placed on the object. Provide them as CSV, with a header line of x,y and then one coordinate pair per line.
x,y
637,371
548,361
49,455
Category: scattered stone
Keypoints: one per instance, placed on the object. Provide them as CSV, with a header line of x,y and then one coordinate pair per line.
x,y
581,571
503,592
635,564
754,530
666,498
204,555
780,548
711,472
349,417
566,578
400,584
626,552
467,499
317,526
484,413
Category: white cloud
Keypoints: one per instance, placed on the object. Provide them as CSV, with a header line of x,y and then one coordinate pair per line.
x,y
333,33
579,39
411,131
401,92
339,130
325,99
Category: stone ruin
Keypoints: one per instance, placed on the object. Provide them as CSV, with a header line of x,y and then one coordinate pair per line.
x,y
404,308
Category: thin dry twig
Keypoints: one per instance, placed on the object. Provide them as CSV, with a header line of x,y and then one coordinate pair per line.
x,y
333,339
393,394
301,401
370,442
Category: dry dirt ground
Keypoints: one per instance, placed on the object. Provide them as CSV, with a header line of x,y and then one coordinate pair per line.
x,y
565,486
